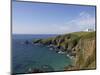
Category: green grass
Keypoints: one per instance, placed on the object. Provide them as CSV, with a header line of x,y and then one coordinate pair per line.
x,y
70,41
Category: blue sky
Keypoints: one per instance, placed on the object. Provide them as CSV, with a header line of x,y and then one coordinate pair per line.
x,y
42,18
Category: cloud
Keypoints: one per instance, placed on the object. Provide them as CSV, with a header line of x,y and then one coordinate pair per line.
x,y
83,19
81,22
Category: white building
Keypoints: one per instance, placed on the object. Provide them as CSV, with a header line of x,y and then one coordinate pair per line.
x,y
89,30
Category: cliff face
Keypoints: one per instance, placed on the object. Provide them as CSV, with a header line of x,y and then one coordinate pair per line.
x,y
85,54
80,45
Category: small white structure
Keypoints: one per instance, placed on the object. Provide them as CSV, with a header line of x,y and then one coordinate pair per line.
x,y
89,30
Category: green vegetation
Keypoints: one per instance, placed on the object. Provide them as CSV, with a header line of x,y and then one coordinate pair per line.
x,y
81,45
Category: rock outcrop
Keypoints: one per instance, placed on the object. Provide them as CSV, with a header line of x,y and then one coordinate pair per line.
x,y
80,45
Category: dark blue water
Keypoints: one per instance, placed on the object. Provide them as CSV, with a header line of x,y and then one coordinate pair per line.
x,y
29,56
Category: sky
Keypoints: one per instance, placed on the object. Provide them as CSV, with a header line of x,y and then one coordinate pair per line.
x,y
46,18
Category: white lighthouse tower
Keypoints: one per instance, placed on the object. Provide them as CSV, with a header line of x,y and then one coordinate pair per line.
x,y
90,29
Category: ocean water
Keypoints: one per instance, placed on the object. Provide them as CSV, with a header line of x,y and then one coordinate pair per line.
x,y
26,57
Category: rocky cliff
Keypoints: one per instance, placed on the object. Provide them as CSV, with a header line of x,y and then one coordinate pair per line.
x,y
79,45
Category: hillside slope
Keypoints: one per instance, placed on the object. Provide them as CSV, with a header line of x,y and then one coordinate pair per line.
x,y
80,45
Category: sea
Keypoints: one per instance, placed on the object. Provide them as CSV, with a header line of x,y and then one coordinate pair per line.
x,y
27,57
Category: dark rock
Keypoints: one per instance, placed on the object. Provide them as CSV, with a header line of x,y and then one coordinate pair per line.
x,y
27,42
35,70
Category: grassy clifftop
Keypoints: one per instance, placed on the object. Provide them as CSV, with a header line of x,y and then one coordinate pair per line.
x,y
81,45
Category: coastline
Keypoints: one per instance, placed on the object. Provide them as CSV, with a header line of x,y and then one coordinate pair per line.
x,y
70,45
